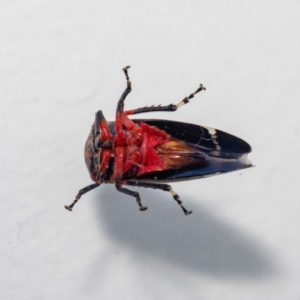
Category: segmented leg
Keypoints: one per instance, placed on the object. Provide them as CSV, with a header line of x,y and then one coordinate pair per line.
x,y
119,187
163,187
170,107
120,138
80,193
120,106
120,143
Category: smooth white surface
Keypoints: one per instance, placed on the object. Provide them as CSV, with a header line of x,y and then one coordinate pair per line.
x,y
61,62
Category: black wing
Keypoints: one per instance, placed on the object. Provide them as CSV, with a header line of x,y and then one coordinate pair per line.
x,y
226,153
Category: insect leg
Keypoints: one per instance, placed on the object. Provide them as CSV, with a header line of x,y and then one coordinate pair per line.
x,y
160,186
170,107
120,106
119,187
80,193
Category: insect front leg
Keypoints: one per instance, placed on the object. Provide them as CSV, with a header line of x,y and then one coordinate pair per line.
x,y
106,156
80,193
160,186
170,107
120,106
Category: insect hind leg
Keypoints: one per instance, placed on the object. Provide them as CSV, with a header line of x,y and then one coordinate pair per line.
x,y
170,107
163,187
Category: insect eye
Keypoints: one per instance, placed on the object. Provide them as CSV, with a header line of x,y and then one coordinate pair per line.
x,y
97,141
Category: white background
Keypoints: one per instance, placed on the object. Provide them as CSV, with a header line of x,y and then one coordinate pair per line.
x,y
60,62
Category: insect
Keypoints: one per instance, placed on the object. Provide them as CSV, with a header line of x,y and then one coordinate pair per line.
x,y
150,153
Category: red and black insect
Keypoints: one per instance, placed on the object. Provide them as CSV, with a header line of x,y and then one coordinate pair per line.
x,y
150,153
